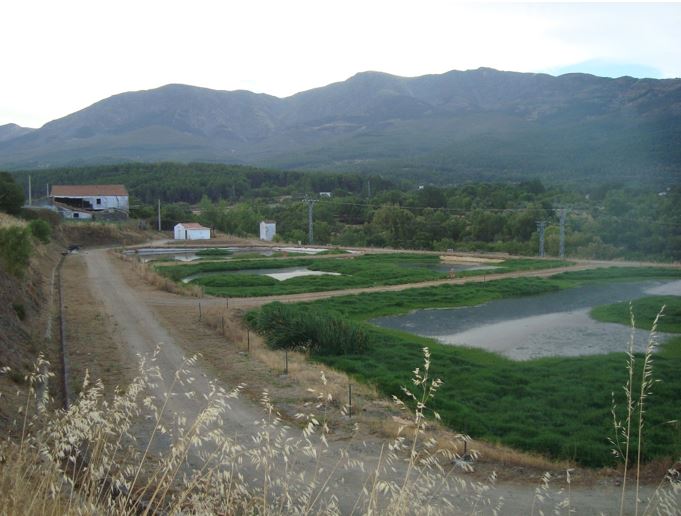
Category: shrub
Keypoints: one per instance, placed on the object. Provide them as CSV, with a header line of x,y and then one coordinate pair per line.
x,y
15,249
295,327
41,230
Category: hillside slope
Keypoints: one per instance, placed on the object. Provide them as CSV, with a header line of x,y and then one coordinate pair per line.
x,y
480,124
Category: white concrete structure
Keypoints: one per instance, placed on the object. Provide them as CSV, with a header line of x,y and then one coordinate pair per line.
x,y
91,198
191,231
267,230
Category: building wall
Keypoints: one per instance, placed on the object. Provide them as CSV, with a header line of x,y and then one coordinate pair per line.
x,y
190,234
267,231
107,202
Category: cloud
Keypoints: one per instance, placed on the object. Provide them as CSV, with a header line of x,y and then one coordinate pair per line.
x,y
62,56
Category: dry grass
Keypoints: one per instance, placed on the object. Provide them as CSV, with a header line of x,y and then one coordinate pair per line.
x,y
88,460
151,277
91,460
301,370
87,321
370,408
7,221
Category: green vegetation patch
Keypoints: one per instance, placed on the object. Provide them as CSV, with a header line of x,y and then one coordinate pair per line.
x,y
559,406
610,274
645,310
15,249
354,272
320,332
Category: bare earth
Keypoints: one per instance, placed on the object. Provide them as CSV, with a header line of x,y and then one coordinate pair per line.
x,y
136,319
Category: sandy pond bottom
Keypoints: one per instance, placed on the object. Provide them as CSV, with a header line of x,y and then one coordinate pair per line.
x,y
556,324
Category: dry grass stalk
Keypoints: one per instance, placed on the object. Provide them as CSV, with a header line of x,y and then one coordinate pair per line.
x,y
94,458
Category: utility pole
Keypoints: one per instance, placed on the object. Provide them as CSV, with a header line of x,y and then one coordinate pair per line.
x,y
310,205
159,215
30,196
562,213
541,226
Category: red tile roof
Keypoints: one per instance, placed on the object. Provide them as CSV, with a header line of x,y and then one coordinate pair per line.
x,y
88,190
192,225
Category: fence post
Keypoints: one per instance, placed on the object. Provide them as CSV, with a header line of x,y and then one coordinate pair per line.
x,y
286,361
349,400
223,325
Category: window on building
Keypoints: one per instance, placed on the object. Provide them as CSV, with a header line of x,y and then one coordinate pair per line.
x,y
99,201
76,215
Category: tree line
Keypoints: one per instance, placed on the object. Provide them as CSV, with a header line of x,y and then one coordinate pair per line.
x,y
606,220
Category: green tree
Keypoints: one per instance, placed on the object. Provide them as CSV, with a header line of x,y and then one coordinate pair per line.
x,y
11,194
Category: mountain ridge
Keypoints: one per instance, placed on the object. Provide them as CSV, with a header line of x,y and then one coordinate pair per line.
x,y
461,123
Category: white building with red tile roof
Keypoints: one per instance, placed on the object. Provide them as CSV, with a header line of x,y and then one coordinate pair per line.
x,y
191,231
83,201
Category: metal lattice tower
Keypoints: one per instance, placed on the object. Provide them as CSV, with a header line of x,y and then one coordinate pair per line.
x,y
310,205
541,226
563,214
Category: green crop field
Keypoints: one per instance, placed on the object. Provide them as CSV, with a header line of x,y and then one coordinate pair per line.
x,y
560,407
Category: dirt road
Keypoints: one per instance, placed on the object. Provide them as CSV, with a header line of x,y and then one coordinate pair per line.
x,y
140,330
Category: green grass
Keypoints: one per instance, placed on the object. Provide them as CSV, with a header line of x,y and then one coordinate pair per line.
x,y
370,270
645,310
611,274
559,407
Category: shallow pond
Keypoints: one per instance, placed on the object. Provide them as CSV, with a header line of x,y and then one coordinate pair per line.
x,y
280,274
555,324
188,254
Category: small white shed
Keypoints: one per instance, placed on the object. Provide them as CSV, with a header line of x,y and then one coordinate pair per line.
x,y
268,229
191,231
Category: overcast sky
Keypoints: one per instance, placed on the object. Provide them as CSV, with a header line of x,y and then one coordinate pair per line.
x,y
61,56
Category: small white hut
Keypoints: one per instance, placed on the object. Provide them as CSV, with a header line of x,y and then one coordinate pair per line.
x,y
268,229
191,231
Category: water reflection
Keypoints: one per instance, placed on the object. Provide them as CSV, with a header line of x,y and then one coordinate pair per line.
x,y
555,324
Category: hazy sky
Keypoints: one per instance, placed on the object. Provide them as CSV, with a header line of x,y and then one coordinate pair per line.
x,y
61,56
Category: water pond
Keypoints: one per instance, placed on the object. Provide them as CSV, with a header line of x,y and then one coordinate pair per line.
x,y
555,324
188,254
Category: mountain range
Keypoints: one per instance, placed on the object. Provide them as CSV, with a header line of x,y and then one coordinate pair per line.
x,y
475,124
